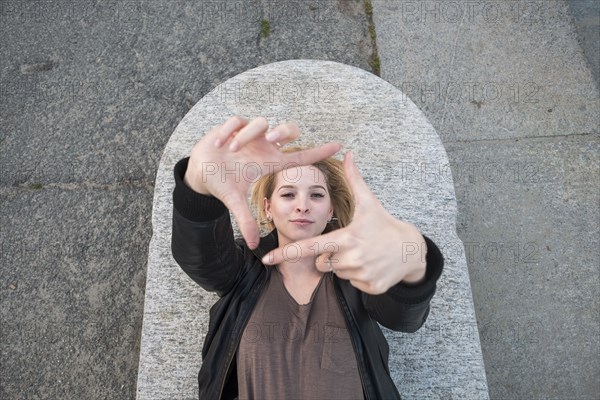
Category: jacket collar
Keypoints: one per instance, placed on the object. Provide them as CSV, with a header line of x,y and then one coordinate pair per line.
x,y
266,244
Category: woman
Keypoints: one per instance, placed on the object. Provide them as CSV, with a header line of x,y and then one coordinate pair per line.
x,y
298,309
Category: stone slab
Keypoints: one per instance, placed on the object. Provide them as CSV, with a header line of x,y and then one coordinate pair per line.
x,y
71,287
586,14
105,83
90,92
489,70
329,101
507,213
530,229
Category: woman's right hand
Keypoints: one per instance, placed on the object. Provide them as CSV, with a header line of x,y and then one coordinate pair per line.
x,y
230,157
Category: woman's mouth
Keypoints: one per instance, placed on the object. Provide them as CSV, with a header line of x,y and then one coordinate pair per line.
x,y
301,221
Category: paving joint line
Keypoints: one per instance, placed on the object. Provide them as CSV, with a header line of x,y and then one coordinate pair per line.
x,y
374,60
137,184
516,139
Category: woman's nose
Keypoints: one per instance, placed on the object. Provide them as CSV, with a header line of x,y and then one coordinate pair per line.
x,y
302,205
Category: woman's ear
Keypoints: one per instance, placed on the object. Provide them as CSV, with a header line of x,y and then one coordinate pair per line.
x,y
266,205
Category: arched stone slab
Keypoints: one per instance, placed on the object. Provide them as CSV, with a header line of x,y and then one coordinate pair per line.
x,y
405,164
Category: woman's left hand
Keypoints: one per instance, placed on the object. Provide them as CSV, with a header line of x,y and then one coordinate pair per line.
x,y
374,252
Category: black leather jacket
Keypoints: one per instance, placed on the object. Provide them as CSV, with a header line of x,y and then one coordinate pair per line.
x,y
203,245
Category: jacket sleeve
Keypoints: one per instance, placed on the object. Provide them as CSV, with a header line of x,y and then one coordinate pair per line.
x,y
405,307
202,241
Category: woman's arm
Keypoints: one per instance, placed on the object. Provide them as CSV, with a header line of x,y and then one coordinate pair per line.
x,y
405,307
202,241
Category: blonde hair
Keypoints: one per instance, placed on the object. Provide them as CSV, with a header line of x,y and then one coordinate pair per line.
x,y
342,200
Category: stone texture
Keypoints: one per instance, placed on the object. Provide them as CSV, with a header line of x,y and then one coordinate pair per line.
x,y
525,174
389,135
586,14
104,83
531,235
72,291
489,70
90,92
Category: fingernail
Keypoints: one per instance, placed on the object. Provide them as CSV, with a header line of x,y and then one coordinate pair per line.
x,y
265,259
272,136
218,143
233,146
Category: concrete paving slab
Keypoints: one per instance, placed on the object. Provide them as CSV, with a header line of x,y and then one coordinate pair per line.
x,y
519,199
489,70
587,21
530,227
72,286
89,94
105,84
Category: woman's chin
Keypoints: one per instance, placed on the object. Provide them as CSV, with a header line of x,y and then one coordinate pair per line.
x,y
296,235
301,236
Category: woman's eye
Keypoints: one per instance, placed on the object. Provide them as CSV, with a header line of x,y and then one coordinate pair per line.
x,y
287,195
318,195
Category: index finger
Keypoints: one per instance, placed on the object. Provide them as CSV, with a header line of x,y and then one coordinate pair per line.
x,y
258,126
309,156
233,124
331,242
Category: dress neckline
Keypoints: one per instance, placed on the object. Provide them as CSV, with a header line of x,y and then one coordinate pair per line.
x,y
301,307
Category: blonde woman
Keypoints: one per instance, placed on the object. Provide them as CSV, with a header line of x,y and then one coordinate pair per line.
x,y
299,308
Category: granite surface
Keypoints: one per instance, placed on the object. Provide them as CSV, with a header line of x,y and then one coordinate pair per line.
x,y
391,139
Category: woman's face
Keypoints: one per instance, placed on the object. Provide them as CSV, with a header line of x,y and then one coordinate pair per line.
x,y
300,204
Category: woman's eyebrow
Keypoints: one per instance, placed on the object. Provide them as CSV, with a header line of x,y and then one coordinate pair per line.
x,y
294,187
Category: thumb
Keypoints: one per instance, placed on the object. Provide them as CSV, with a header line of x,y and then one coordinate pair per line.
x,y
246,222
359,188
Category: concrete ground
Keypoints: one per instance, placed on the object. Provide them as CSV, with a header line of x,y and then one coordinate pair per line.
x,y
91,91
510,92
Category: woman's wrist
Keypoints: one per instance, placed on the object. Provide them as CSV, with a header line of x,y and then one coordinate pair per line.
x,y
193,179
420,264
416,277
